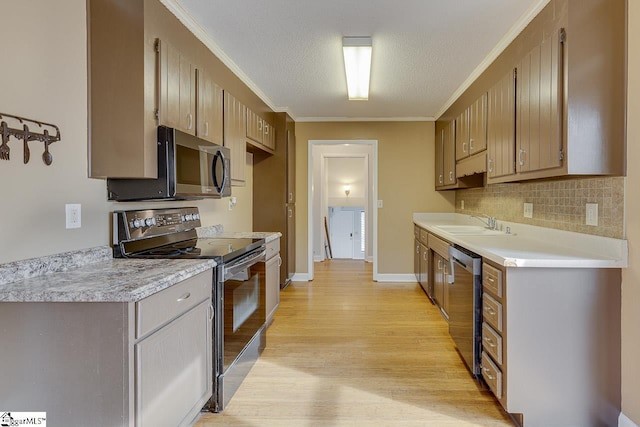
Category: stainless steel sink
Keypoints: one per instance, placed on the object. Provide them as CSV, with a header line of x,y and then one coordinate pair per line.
x,y
469,230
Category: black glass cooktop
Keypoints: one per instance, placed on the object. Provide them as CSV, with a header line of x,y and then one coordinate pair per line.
x,y
220,249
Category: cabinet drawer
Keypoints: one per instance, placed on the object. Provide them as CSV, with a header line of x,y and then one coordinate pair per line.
x,y
424,237
439,245
168,304
492,343
491,375
273,248
492,311
492,279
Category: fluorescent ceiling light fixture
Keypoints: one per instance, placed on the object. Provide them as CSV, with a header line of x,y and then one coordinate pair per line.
x,y
357,65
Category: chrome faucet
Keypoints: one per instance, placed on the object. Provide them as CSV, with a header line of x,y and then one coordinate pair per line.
x,y
491,222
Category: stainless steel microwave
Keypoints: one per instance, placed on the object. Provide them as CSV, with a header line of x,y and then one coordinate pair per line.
x,y
188,168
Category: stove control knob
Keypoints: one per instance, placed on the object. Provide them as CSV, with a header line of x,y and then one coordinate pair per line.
x,y
183,218
196,216
137,223
188,217
149,222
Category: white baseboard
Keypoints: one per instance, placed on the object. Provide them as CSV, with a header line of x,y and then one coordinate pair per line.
x,y
368,259
404,278
318,258
300,277
624,421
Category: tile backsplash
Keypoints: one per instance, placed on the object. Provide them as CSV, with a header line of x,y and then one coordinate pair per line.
x,y
559,204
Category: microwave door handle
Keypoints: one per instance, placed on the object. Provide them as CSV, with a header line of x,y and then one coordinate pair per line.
x,y
219,157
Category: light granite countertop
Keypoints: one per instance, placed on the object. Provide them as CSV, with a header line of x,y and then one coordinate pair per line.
x,y
92,275
217,231
530,246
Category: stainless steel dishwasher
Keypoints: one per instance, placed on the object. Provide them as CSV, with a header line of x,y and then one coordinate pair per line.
x,y
465,304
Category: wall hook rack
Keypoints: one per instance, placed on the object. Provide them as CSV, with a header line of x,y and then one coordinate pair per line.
x,y
27,135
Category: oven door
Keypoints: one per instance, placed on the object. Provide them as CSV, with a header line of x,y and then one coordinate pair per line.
x,y
243,304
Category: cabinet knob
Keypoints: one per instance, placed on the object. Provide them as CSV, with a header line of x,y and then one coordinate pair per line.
x,y
440,178
451,176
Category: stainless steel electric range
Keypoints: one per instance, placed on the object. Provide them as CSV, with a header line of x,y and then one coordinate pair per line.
x,y
238,284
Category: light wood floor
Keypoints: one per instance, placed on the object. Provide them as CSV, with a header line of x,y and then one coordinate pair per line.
x,y
346,351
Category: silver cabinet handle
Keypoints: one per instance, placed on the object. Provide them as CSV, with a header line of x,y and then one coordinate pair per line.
x,y
486,372
184,297
260,125
266,130
491,279
439,264
424,256
464,147
290,197
211,312
189,121
279,261
490,165
521,154
206,128
488,341
440,178
290,213
471,144
417,249
450,175
490,310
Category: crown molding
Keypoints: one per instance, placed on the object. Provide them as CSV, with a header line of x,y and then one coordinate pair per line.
x,y
515,30
365,119
187,20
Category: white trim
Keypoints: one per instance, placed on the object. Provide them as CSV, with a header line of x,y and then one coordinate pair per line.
x,y
300,277
366,119
624,421
187,20
372,192
516,29
403,278
369,259
318,258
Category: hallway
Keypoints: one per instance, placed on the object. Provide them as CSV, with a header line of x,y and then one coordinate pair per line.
x,y
346,351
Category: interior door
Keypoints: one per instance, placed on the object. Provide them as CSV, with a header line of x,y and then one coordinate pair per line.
x,y
341,233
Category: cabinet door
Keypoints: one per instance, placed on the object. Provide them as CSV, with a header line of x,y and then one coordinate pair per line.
x,y
501,122
440,159
254,126
438,278
210,106
235,124
174,370
291,241
478,125
424,268
539,108
462,135
291,167
177,90
449,148
416,260
269,135
272,274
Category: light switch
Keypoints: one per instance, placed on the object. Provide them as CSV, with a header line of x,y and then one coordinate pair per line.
x,y
592,214
73,215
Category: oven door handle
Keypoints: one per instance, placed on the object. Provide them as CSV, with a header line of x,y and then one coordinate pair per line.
x,y
246,263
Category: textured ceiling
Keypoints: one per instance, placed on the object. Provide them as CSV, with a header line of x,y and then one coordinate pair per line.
x,y
289,51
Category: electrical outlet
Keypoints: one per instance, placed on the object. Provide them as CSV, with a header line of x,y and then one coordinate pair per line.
x,y
379,203
528,210
232,203
592,214
462,204
73,215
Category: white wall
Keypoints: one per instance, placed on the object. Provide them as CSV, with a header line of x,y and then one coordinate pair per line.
x,y
44,77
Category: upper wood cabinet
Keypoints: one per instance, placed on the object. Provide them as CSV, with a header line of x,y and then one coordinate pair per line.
x,y
449,153
209,117
539,106
254,126
462,135
269,135
177,105
291,166
501,129
122,69
478,125
439,159
235,125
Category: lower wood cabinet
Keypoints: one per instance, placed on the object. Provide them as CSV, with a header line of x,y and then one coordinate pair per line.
x,y
272,273
551,343
145,363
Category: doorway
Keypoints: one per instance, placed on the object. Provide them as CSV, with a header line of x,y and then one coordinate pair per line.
x,y
325,193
